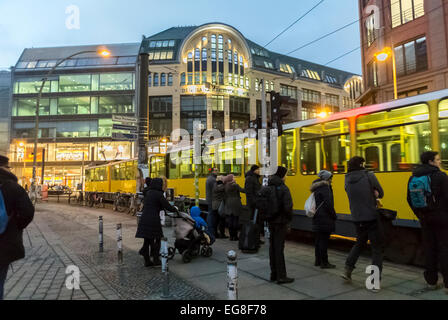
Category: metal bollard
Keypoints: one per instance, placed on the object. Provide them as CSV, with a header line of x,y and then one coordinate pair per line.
x,y
119,244
232,276
164,254
101,234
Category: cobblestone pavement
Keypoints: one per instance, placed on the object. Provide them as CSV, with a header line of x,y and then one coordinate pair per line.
x,y
63,235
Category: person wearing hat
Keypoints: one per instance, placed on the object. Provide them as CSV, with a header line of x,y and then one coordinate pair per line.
x,y
278,227
324,220
20,213
252,185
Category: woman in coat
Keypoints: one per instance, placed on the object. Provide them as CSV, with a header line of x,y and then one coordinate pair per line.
x,y
150,227
233,205
324,219
218,198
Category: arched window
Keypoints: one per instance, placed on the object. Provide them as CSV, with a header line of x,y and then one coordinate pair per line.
x,y
150,80
156,79
163,79
170,79
204,59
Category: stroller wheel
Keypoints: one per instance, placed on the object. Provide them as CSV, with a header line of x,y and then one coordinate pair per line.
x,y
186,257
171,253
208,252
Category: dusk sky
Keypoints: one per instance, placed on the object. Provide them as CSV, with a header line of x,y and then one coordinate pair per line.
x,y
30,23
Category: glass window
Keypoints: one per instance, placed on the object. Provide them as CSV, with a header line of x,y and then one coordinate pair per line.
x,y
75,83
116,81
170,79
27,107
404,11
325,146
443,131
163,79
289,147
393,140
116,104
105,127
182,79
217,103
78,105
31,86
156,79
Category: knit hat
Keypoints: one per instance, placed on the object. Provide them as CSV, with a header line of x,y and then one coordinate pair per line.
x,y
325,175
254,167
281,172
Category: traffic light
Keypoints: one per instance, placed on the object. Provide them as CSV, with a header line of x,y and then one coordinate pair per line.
x,y
279,110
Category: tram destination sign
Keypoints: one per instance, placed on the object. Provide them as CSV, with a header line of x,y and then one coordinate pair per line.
x,y
124,136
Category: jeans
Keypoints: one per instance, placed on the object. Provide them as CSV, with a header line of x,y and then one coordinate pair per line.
x,y
3,273
365,231
276,250
435,244
321,247
212,221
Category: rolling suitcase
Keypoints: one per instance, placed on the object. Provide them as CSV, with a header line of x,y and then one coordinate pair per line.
x,y
250,236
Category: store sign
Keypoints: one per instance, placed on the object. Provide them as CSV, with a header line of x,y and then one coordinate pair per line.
x,y
116,118
124,136
67,155
215,90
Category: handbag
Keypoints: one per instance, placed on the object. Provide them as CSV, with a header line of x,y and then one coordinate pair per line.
x,y
222,209
387,214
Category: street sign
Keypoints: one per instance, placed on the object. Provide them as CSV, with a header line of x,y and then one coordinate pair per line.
x,y
124,127
124,136
116,118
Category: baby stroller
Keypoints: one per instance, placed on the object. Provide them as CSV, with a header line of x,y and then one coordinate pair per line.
x,y
190,242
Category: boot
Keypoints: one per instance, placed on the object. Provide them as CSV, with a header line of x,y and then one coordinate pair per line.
x,y
327,265
317,263
347,275
285,280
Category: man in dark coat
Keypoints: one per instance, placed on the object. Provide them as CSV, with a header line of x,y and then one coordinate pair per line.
x,y
233,205
278,227
20,213
434,219
252,185
324,219
150,227
363,190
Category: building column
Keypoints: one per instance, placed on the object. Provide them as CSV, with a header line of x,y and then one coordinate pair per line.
x,y
253,108
209,113
226,113
176,111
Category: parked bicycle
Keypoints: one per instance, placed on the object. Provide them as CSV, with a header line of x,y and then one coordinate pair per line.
x,y
121,202
96,200
136,203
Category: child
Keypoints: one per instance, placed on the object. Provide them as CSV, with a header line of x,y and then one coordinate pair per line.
x,y
201,225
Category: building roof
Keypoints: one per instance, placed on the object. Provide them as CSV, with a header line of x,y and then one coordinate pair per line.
x,y
263,59
35,58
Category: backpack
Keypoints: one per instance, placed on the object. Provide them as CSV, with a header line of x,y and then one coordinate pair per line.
x,y
3,214
310,206
267,203
421,196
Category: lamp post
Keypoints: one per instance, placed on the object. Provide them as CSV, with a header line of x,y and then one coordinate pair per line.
x,y
383,56
104,53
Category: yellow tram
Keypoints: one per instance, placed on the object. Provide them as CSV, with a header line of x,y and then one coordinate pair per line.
x,y
390,136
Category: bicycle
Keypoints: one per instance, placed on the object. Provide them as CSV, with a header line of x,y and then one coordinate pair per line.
x,y
136,203
96,200
120,202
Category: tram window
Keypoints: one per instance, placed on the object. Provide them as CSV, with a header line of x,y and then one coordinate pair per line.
x,y
102,174
393,140
443,131
289,159
122,172
157,167
325,146
88,175
96,174
231,158
130,172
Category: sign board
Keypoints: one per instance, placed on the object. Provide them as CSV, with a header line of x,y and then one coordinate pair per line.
x,y
124,136
124,127
116,118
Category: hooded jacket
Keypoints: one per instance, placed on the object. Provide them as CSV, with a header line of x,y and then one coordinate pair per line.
x,y
252,185
360,186
196,215
20,211
439,188
284,201
232,200
150,225
325,217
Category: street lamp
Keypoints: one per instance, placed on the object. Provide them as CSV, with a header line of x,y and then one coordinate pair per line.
x,y
101,52
382,56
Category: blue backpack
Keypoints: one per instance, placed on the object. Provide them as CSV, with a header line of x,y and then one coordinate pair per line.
x,y
3,214
420,192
